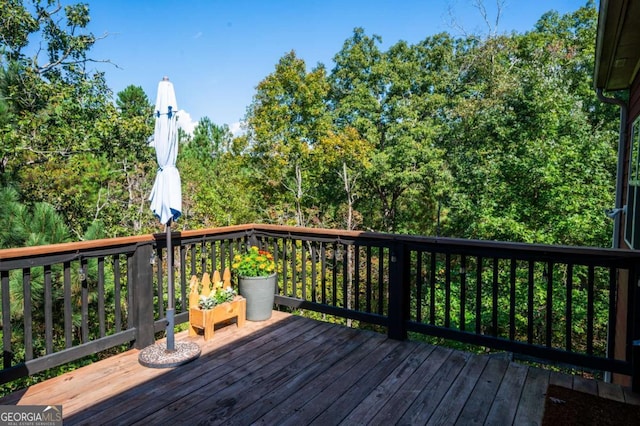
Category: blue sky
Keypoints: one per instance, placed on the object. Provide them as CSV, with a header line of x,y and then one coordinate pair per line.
x,y
216,52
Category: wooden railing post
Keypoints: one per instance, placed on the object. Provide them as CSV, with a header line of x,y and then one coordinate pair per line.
x,y
141,289
399,302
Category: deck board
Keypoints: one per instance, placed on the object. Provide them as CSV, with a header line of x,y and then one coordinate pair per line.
x,y
503,409
582,384
433,391
559,379
476,409
456,397
610,391
531,403
296,371
384,393
412,387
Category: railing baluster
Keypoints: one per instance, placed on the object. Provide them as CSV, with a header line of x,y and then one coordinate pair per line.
x,y
356,279
323,272
569,309
225,258
130,287
117,294
512,300
381,280
274,249
101,295
84,304
160,285
184,300
549,303
590,283
303,270
284,267
419,284
463,292
294,269
203,259
345,277
530,285
7,353
232,253
48,310
369,267
479,267
314,272
68,319
213,256
432,290
334,274
27,319
447,290
494,299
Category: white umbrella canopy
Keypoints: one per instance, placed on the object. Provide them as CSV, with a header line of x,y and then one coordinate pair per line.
x,y
166,195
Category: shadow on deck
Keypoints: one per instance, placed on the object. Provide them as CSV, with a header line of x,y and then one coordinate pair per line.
x,y
291,370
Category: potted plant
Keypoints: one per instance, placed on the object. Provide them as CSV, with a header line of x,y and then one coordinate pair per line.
x,y
256,272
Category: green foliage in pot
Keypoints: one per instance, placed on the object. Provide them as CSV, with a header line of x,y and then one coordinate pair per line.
x,y
217,297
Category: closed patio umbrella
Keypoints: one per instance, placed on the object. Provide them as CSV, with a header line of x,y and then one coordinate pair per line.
x,y
166,204
166,195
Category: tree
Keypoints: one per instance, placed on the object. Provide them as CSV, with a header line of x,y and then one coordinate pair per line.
x,y
209,141
286,119
530,161
389,98
54,110
34,83
215,177
344,156
131,159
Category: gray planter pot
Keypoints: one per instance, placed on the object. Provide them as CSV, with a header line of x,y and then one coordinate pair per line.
x,y
260,293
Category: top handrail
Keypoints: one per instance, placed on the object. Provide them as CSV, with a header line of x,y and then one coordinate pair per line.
x,y
453,243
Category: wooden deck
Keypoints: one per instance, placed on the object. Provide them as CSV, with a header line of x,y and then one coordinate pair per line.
x,y
296,371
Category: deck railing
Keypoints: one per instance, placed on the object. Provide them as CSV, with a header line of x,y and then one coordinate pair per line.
x,y
64,302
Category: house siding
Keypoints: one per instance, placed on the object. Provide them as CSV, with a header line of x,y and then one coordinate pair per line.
x,y
633,113
622,293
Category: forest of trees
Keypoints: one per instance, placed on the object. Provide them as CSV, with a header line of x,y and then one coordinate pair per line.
x,y
490,137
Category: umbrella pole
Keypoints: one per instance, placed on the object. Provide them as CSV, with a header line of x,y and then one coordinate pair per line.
x,y
170,302
169,355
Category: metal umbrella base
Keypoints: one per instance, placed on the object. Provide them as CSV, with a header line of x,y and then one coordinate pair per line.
x,y
157,356
169,354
